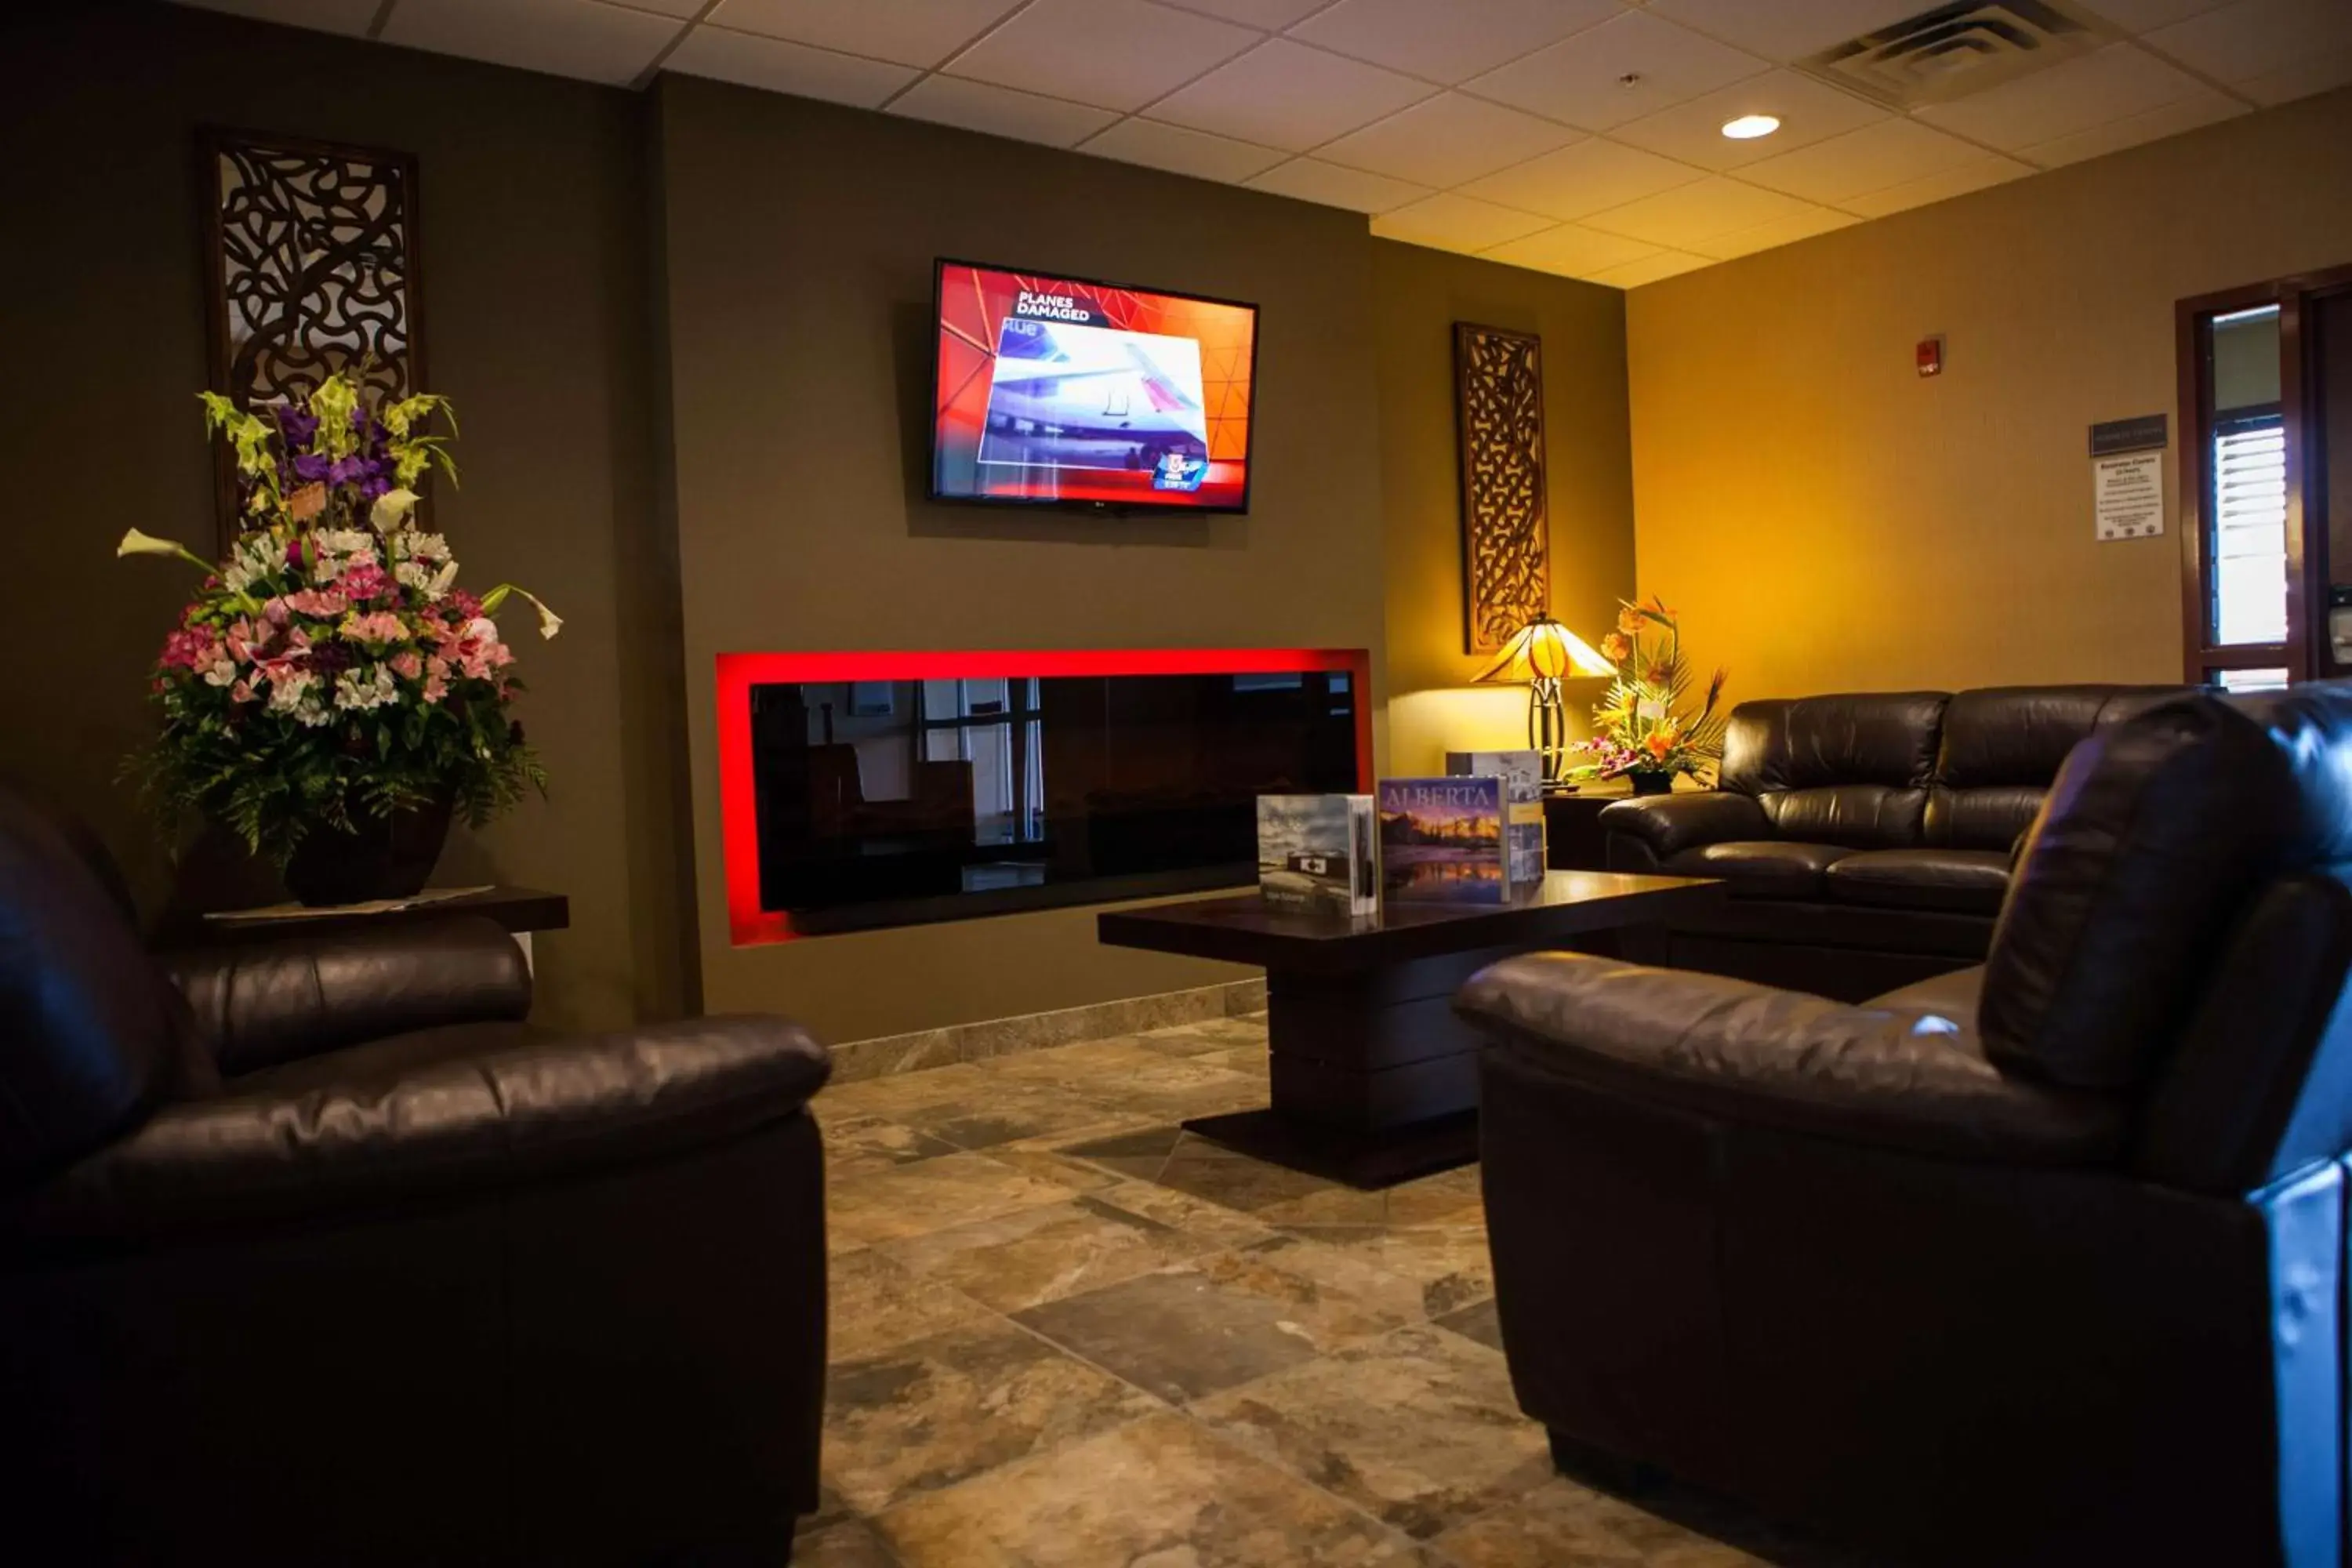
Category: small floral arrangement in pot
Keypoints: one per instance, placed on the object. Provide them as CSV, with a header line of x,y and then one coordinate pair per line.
x,y
330,694
1643,728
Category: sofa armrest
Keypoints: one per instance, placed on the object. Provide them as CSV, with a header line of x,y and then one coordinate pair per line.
x,y
1670,824
399,1132
1896,1073
260,1004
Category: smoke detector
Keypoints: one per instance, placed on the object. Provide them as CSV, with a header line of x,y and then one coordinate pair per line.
x,y
1958,49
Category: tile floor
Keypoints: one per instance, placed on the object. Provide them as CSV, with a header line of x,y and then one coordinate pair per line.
x,y
1067,1335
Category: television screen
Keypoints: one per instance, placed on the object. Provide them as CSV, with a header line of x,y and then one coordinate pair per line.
x,y
1059,392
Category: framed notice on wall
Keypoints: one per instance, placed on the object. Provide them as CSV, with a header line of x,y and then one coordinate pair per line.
x,y
2127,478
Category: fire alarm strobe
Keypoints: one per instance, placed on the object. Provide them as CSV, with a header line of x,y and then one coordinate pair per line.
x,y
1931,356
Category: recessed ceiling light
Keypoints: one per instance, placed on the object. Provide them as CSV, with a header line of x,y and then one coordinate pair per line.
x,y
1748,127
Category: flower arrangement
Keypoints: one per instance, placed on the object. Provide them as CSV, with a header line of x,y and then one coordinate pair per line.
x,y
330,673
1642,726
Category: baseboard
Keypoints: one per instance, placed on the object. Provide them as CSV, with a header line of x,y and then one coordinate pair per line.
x,y
888,1054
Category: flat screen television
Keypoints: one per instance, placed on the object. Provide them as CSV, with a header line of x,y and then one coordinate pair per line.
x,y
1053,390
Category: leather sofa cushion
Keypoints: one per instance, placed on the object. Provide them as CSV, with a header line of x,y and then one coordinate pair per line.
x,y
1759,868
420,1116
1906,1071
1811,742
1972,881
2154,843
2003,745
1858,815
1669,824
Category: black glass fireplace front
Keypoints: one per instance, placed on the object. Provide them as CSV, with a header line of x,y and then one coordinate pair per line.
x,y
895,801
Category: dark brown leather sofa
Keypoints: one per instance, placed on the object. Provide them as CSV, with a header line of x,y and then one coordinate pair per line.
x,y
2038,1262
312,1251
1866,837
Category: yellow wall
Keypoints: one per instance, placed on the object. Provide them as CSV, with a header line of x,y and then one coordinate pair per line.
x,y
1417,296
1828,521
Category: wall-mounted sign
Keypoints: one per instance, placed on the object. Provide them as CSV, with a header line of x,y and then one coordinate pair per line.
x,y
2141,435
2127,492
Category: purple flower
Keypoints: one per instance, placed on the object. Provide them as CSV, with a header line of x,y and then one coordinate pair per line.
x,y
296,425
345,469
311,466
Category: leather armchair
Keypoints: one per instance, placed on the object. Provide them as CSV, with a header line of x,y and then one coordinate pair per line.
x,y
2041,1261
314,1251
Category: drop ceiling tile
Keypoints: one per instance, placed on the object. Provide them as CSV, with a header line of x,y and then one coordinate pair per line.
x,y
1270,15
1808,112
1456,223
1988,169
568,38
1580,80
1571,250
1687,216
1114,54
1286,95
1182,151
684,10
2318,73
780,66
1310,180
1583,178
352,16
2203,107
1650,269
910,32
2257,38
2116,83
1870,159
1779,232
1446,139
1001,112
1447,42
2146,15
1785,30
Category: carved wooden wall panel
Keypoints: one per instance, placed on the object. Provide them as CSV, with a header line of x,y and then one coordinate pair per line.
x,y
310,268
1498,411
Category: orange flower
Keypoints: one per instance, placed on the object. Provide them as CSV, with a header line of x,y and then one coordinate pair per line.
x,y
1660,742
1614,648
1628,621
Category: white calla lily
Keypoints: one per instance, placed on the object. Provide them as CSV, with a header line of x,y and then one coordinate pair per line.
x,y
391,509
137,543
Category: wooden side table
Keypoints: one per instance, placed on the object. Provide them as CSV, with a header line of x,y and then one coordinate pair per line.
x,y
520,911
1574,840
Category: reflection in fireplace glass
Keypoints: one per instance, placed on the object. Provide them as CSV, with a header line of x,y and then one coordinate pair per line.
x,y
886,802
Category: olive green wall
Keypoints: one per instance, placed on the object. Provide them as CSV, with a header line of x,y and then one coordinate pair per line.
x,y
535,288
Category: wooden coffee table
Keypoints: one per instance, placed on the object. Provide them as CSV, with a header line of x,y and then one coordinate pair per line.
x,y
1374,1078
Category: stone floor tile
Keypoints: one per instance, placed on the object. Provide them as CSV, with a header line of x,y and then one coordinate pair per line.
x,y
943,1409
1159,1493
1450,1197
1178,1333
1007,1111
1040,1254
1418,1428
1139,1153
1450,1263
894,1094
852,1543
854,1145
1210,1171
1212,1223
1476,1322
876,1302
932,1194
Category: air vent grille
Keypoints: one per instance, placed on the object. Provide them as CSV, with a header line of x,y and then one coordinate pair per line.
x,y
1956,50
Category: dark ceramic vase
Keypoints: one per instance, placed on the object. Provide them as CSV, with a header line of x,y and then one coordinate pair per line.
x,y
1652,781
388,858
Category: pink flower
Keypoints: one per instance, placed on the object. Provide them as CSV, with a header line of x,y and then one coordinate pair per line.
x,y
190,648
408,664
243,691
326,604
437,679
244,643
375,629
364,580
462,607
287,666
276,612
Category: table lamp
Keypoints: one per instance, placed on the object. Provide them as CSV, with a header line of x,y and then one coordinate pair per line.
x,y
1541,653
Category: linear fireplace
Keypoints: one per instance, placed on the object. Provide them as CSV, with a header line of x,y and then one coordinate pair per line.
x,y
861,790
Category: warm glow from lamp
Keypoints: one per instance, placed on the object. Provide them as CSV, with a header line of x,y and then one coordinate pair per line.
x,y
1748,127
1545,649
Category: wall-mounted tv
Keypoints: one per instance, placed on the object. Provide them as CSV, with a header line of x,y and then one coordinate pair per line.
x,y
1051,391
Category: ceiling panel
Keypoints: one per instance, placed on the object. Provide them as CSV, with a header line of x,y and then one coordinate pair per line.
x,y
2315,73
578,38
2203,106
1808,112
1581,81
910,32
1116,54
781,67
1001,112
352,16
1650,269
1310,180
1447,140
1270,15
1785,30
2257,38
1286,95
1572,251
1870,159
1456,223
1182,151
1988,169
1585,177
1688,215
1452,41
1779,232
2116,83
2146,15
